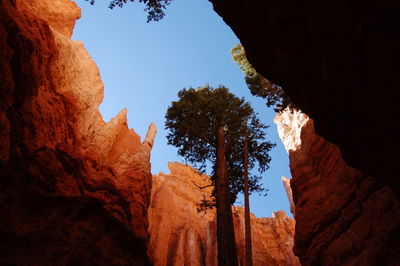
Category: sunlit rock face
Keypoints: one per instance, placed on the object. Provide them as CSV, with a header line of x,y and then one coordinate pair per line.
x,y
339,61
288,189
74,189
272,238
179,235
343,217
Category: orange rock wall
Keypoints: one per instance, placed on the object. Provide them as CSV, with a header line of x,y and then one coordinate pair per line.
x,y
74,189
179,235
343,217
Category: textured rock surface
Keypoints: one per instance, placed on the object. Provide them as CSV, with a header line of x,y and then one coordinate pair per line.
x,y
74,189
272,238
343,217
339,61
179,235
288,189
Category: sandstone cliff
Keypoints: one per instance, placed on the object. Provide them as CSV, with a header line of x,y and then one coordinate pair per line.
x,y
179,235
343,217
74,189
339,62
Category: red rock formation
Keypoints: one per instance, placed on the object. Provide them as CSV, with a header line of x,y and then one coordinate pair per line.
x,y
343,217
272,238
74,189
179,235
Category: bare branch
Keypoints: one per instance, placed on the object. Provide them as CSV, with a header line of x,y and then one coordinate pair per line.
x,y
240,203
202,187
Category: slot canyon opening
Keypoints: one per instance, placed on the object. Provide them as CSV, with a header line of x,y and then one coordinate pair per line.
x,y
144,65
76,190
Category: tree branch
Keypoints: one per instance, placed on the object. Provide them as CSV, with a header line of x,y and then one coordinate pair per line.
x,y
200,187
206,139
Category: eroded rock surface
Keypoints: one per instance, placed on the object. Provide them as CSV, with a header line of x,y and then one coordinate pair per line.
x,y
74,189
179,235
343,217
288,189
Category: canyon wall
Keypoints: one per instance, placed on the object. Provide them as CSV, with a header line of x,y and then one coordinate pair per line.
x,y
339,62
74,189
180,235
343,217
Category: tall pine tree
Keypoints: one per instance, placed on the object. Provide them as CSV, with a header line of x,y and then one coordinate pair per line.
x,y
208,125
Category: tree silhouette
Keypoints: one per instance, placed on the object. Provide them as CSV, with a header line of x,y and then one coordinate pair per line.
x,y
207,125
154,8
247,222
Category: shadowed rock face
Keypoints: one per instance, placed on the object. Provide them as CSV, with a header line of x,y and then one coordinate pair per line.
x,y
343,217
339,62
179,235
74,189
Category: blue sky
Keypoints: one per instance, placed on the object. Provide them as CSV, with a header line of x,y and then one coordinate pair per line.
x,y
144,65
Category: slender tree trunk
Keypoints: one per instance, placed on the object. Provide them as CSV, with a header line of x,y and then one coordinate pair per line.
x,y
247,225
227,255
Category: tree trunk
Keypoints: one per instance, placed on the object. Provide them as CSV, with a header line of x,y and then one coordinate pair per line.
x,y
227,255
247,225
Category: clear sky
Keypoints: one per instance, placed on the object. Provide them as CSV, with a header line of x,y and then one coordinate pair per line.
x,y
144,65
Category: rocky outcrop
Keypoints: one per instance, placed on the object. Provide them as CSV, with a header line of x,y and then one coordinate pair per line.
x,y
343,217
180,235
339,62
74,189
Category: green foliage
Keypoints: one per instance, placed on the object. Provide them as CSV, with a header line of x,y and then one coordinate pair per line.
x,y
258,85
193,122
154,8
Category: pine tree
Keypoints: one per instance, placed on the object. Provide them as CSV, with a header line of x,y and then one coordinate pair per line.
x,y
207,125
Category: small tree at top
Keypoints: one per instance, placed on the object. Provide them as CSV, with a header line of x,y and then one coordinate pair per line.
x,y
260,86
207,125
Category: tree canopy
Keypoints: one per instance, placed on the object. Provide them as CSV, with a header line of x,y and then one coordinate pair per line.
x,y
258,85
154,8
193,121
